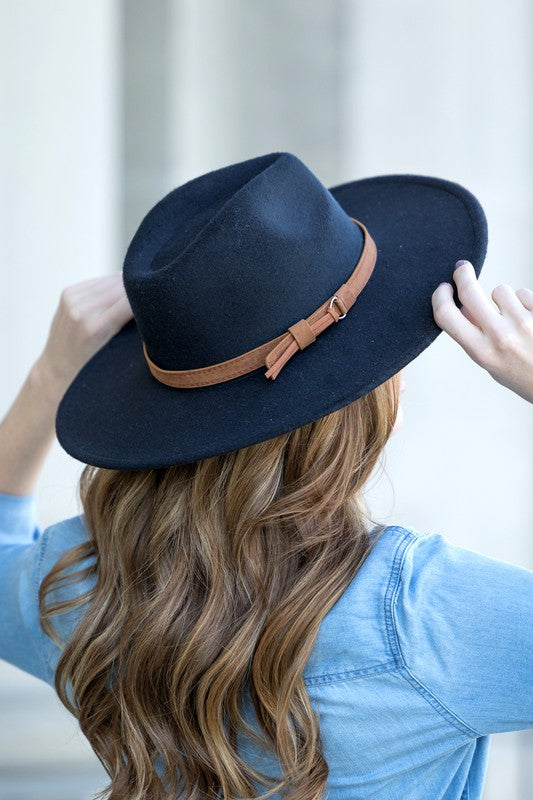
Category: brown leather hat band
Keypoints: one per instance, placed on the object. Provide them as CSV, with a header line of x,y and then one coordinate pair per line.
x,y
275,353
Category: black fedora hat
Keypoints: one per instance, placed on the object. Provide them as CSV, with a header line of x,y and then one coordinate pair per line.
x,y
235,279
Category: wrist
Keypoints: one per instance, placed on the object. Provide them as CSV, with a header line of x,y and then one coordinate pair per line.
x,y
47,381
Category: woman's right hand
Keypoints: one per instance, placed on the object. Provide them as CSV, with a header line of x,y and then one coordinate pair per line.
x,y
500,341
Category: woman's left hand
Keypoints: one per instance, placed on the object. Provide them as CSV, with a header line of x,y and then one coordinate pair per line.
x,y
89,314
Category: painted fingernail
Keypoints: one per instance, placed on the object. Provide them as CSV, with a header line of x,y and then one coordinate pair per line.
x,y
460,263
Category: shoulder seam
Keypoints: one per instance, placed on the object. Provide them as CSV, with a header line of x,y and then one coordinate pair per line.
x,y
394,643
405,542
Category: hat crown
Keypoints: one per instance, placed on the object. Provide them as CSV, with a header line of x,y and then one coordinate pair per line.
x,y
227,261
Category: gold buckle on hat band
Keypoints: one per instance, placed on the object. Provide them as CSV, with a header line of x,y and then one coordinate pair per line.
x,y
275,353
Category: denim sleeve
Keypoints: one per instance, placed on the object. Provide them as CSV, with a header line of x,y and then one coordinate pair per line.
x,y
464,628
20,554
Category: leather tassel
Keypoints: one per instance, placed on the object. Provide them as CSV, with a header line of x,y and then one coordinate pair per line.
x,y
284,350
291,348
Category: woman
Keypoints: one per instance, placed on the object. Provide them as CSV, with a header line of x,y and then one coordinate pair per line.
x,y
222,619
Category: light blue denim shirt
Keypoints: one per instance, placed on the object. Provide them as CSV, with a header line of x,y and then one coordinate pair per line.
x,y
427,652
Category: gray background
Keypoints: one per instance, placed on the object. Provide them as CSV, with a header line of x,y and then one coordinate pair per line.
x,y
107,105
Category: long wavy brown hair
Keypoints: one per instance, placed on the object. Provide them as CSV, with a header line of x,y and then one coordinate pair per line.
x,y
208,577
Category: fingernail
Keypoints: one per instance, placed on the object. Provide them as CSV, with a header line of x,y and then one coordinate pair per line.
x,y
460,263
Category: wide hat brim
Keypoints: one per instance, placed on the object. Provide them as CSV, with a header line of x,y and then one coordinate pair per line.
x,y
116,415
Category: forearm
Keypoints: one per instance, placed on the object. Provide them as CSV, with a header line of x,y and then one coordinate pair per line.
x,y
89,314
28,429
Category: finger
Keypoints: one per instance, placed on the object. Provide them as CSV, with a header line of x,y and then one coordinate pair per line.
x,y
452,320
117,314
472,296
465,312
526,298
95,286
100,297
509,304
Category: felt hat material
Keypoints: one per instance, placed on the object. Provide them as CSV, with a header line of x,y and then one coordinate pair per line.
x,y
230,260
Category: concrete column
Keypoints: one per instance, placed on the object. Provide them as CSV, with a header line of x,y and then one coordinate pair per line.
x,y
59,160
255,77
447,91
60,169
